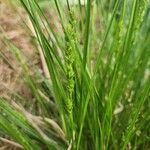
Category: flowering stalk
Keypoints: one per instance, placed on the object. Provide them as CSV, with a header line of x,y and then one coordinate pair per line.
x,y
70,38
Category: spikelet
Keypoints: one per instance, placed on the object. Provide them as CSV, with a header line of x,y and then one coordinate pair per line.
x,y
70,38
142,4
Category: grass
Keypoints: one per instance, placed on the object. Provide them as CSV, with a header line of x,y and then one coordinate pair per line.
x,y
98,93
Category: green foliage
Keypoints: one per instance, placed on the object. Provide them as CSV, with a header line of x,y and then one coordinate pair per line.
x,y
99,66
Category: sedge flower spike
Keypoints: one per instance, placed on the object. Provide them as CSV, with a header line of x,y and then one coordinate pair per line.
x,y
70,38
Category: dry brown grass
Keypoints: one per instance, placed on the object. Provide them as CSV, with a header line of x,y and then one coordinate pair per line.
x,y
10,73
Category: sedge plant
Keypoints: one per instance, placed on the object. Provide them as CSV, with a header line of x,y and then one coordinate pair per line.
x,y
98,93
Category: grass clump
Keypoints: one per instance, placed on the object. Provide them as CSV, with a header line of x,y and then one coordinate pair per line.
x,y
98,93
